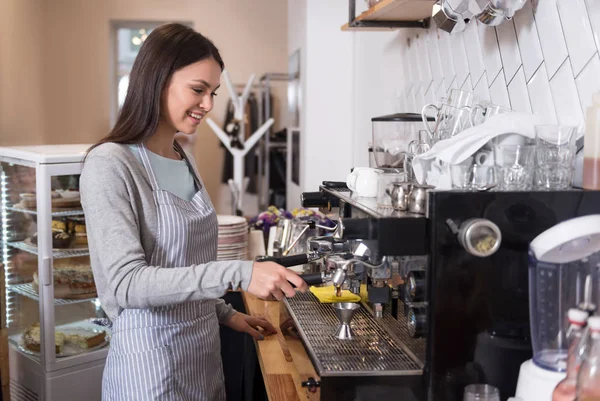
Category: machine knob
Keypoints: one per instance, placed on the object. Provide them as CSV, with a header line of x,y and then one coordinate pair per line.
x,y
416,321
415,286
480,237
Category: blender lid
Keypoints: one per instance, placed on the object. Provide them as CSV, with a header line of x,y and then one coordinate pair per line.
x,y
568,241
410,117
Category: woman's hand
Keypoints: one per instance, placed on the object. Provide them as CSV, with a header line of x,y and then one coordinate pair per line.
x,y
271,279
250,324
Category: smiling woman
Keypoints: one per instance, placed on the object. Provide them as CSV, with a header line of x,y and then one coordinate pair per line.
x,y
152,233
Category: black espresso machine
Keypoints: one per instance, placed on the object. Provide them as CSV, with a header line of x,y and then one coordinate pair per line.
x,y
458,315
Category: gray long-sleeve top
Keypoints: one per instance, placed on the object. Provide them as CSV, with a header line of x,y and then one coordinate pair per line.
x,y
122,226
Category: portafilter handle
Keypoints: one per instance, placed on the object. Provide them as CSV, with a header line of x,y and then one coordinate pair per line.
x,y
289,261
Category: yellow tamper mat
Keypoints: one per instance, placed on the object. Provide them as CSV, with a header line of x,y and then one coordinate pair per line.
x,y
326,295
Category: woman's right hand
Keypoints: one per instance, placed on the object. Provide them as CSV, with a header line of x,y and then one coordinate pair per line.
x,y
270,279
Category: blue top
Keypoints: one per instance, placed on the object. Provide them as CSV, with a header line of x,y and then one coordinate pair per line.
x,y
172,175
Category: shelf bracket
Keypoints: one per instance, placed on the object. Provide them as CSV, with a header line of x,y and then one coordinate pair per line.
x,y
353,23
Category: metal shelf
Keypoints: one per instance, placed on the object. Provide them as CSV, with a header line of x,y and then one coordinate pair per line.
x,y
28,291
368,206
397,233
62,213
56,254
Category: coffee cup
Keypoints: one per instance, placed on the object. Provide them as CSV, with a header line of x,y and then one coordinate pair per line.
x,y
363,181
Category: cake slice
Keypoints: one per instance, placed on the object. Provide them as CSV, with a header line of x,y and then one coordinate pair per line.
x,y
85,339
31,339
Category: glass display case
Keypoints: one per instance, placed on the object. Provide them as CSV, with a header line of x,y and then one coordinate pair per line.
x,y
57,343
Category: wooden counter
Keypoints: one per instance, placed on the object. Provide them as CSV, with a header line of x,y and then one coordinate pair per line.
x,y
283,359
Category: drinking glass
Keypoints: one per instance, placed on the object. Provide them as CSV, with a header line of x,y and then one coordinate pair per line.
x,y
514,166
554,156
472,176
481,392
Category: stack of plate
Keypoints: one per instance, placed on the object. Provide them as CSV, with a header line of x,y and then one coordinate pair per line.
x,y
233,238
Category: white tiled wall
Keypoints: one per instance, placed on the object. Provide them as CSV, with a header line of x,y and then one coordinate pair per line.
x,y
545,61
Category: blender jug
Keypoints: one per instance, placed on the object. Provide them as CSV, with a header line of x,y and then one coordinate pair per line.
x,y
563,269
391,136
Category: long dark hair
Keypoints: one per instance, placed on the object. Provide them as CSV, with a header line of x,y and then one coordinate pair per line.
x,y
167,49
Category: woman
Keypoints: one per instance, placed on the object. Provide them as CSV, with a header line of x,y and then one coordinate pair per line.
x,y
153,233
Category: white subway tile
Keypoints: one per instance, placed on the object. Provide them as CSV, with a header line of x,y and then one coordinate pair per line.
x,y
410,101
529,42
499,91
578,32
588,82
423,59
489,49
467,85
481,90
551,35
540,95
437,70
509,49
517,91
566,98
440,92
419,100
593,8
459,55
473,49
446,57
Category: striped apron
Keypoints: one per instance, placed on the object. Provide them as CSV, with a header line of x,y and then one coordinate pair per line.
x,y
170,352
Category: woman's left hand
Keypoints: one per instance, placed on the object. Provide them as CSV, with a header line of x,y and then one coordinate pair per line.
x,y
250,324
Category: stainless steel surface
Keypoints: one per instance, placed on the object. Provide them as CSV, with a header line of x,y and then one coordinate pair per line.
x,y
369,205
453,15
345,311
480,237
399,194
399,330
417,199
373,351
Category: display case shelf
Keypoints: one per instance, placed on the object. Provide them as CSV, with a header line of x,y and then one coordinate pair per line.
x,y
62,213
56,254
28,291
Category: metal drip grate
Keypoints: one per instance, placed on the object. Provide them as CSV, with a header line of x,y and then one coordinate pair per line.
x,y
371,352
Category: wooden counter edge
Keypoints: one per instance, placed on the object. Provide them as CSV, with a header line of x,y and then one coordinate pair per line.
x,y
290,356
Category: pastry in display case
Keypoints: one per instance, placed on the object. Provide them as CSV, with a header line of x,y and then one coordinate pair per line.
x,y
57,350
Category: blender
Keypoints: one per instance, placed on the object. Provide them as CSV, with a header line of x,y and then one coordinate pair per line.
x,y
391,137
563,273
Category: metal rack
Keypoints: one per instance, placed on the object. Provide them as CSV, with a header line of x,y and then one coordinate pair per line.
x,y
372,352
28,291
56,254
62,213
266,145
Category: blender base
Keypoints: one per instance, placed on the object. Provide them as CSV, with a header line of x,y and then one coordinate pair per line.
x,y
535,383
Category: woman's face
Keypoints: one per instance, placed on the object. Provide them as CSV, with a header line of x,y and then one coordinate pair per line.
x,y
189,95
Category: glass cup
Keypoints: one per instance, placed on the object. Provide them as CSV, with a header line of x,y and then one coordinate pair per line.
x,y
472,176
554,156
514,166
480,113
481,392
453,121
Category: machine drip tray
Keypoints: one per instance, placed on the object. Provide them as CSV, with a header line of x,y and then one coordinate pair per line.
x,y
371,352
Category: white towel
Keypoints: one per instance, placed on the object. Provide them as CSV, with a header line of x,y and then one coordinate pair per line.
x,y
456,149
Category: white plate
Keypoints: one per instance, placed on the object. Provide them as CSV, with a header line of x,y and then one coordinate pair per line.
x,y
227,220
72,349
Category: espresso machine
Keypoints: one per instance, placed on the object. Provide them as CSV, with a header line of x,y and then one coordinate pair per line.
x,y
445,295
